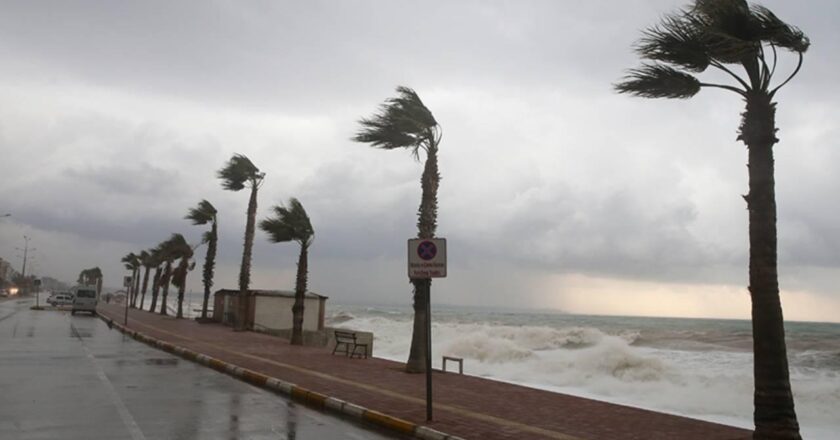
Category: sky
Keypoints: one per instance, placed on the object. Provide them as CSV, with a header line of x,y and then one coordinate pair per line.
x,y
556,192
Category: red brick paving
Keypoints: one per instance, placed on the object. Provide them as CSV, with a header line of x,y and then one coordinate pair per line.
x,y
466,406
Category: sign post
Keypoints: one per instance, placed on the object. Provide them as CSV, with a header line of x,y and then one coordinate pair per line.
x,y
427,260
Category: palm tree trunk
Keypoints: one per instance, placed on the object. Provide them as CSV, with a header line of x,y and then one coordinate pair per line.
x,y
145,286
182,286
417,353
300,297
209,264
775,417
426,226
136,278
167,276
245,267
155,288
130,293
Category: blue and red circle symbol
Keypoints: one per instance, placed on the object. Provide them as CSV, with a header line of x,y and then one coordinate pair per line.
x,y
426,250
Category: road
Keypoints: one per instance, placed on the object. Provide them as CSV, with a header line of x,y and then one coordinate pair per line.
x,y
71,377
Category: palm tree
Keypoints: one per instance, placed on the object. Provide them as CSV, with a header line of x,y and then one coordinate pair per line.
x,y
201,215
158,261
147,261
292,224
136,291
92,276
404,122
168,253
238,173
721,33
179,248
132,263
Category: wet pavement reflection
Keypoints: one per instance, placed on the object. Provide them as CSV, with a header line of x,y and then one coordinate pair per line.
x,y
70,377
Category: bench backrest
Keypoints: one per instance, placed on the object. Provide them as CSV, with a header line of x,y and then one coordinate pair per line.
x,y
341,336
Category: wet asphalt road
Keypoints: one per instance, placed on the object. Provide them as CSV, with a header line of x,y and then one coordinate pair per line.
x,y
70,377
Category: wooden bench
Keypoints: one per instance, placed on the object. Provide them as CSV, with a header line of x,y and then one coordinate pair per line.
x,y
348,339
457,360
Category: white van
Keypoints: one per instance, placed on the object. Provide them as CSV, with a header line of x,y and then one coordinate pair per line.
x,y
84,300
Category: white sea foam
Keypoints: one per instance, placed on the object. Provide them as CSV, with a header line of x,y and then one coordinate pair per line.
x,y
697,381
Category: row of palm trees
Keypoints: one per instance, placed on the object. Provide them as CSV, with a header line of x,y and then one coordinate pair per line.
x,y
290,223
162,259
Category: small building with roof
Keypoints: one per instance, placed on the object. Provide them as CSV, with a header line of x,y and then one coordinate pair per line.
x,y
269,310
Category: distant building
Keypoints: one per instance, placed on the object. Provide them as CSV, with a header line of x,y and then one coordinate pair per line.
x,y
269,309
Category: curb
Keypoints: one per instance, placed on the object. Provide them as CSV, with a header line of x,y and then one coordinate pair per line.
x,y
296,393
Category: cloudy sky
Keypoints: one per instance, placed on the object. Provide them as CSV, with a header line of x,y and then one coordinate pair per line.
x,y
556,193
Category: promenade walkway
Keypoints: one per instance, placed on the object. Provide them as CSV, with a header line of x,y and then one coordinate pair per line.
x,y
465,406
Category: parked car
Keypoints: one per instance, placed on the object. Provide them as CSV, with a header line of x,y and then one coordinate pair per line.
x,y
85,300
60,299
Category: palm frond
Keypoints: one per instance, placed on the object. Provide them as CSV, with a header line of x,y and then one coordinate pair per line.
x,y
730,17
289,224
207,236
401,122
204,213
237,171
778,33
727,29
658,81
675,42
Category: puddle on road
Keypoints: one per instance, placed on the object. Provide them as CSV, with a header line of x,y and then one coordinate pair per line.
x,y
80,333
165,362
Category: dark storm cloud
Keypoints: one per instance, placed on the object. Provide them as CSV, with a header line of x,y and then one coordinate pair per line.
x,y
114,117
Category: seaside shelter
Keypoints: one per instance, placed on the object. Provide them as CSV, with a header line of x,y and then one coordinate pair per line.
x,y
269,310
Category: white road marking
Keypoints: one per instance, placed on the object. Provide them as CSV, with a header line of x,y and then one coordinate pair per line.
x,y
125,415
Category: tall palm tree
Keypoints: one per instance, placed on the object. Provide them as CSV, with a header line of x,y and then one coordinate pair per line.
x,y
238,173
147,261
179,248
203,214
159,262
132,263
136,292
169,253
292,224
404,122
721,33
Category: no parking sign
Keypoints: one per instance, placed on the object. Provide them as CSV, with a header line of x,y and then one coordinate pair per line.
x,y
427,258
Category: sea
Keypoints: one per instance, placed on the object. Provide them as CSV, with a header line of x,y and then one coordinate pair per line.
x,y
699,368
